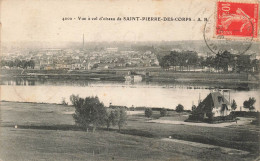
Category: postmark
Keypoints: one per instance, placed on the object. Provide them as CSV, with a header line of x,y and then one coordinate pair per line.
x,y
232,27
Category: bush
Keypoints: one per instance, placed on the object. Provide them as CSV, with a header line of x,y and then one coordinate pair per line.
x,y
179,108
63,102
148,112
163,112
250,103
223,118
246,114
193,107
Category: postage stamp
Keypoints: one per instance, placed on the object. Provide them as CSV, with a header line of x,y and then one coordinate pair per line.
x,y
233,27
237,19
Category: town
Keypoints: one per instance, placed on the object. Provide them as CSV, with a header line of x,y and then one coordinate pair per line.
x,y
143,56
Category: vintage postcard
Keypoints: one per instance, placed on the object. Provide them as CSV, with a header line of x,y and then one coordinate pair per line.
x,y
129,80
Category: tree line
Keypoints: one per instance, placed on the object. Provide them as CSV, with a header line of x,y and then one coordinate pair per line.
x,y
221,61
18,63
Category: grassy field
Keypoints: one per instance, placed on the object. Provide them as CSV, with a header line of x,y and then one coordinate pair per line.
x,y
47,132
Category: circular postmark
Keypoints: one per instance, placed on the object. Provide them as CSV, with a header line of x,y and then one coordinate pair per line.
x,y
218,43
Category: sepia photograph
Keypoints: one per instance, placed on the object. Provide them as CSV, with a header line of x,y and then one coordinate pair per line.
x,y
129,80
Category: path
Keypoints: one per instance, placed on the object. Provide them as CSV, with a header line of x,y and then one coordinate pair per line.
x,y
241,121
201,145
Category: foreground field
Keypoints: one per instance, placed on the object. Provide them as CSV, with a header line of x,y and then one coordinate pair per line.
x,y
47,132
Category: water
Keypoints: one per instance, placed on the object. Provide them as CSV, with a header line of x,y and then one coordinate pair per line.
x,y
167,95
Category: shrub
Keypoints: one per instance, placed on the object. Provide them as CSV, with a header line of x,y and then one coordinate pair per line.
x,y
250,103
179,108
148,112
163,112
223,118
193,107
63,102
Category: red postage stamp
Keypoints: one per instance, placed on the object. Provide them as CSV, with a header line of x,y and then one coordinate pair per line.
x,y
237,19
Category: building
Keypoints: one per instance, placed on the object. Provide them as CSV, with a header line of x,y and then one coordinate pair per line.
x,y
214,105
75,66
112,50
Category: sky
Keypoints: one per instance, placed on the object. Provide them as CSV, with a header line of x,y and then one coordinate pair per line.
x,y
41,20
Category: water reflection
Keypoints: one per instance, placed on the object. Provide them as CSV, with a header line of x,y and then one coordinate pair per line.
x,y
69,82
149,94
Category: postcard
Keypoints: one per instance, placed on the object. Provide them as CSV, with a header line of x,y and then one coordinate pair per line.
x,y
129,80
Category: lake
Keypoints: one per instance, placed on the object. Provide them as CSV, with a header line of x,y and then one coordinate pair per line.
x,y
149,94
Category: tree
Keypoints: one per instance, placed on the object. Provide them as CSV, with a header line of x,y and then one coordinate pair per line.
x,y
243,63
113,118
122,119
163,112
210,62
31,64
165,62
117,117
110,119
89,111
234,105
179,108
148,112
193,107
174,59
250,103
223,60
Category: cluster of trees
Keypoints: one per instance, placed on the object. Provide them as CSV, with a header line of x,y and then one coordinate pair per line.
x,y
18,63
148,112
221,61
116,117
181,59
90,112
224,60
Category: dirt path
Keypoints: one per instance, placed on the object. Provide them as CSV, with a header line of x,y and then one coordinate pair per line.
x,y
208,146
241,121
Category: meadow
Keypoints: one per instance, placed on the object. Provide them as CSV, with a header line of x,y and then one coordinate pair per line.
x,y
48,132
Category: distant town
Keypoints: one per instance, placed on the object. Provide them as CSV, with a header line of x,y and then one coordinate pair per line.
x,y
180,57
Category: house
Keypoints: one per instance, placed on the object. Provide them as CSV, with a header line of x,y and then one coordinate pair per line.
x,y
106,66
86,65
214,105
123,72
75,66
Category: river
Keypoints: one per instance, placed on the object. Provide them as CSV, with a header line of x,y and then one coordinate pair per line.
x,y
148,94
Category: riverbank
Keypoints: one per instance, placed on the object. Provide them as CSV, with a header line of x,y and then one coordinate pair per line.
x,y
48,131
153,75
